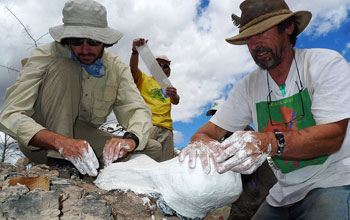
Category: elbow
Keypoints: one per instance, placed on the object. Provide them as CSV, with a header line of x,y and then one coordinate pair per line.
x,y
339,139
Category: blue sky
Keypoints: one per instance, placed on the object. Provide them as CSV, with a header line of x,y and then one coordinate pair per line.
x,y
337,39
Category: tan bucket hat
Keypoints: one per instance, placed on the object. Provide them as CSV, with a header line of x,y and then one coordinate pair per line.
x,y
85,19
163,57
260,15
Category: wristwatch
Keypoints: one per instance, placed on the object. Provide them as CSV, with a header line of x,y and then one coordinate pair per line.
x,y
129,135
281,143
134,51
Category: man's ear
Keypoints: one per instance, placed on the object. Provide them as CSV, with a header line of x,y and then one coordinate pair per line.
x,y
290,29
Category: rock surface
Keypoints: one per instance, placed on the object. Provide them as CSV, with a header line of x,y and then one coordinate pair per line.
x,y
69,198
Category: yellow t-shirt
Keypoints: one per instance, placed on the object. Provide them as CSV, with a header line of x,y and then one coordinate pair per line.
x,y
157,100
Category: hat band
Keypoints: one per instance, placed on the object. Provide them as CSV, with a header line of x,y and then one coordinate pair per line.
x,y
85,24
264,17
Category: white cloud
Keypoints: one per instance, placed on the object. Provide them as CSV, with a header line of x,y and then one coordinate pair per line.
x,y
347,49
178,137
203,64
327,15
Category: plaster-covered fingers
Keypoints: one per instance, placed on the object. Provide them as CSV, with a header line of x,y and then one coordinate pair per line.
x,y
241,155
85,164
116,153
244,165
183,154
230,147
91,154
191,152
115,150
93,157
124,149
192,158
251,166
90,161
109,155
226,165
74,159
241,144
251,170
205,160
83,157
204,151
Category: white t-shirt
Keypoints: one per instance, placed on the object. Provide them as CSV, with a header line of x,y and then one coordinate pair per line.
x,y
326,75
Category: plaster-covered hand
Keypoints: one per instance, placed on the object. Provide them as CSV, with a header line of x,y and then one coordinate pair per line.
x,y
242,152
205,152
116,148
138,42
83,158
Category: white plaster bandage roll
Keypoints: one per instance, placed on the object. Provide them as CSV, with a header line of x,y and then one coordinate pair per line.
x,y
153,66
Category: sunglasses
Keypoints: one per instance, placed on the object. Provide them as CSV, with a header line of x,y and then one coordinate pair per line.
x,y
80,41
164,65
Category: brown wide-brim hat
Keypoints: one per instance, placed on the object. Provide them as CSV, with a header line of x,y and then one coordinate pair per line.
x,y
85,19
260,15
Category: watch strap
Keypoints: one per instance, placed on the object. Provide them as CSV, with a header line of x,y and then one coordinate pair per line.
x,y
129,135
281,143
134,51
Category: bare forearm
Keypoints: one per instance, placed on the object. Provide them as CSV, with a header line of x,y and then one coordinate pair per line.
x,y
208,132
313,141
134,62
47,139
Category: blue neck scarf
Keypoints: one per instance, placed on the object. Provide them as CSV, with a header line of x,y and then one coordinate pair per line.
x,y
96,69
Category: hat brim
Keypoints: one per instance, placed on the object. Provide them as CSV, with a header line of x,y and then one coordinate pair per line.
x,y
105,35
302,20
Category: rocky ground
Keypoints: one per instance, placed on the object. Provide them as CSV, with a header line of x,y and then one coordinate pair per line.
x,y
49,193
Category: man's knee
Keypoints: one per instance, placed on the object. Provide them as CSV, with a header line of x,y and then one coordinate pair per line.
x,y
153,149
34,154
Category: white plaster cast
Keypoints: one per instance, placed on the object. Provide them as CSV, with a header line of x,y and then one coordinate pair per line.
x,y
190,192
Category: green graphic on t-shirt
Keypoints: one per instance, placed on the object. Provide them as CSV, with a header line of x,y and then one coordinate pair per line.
x,y
288,114
156,93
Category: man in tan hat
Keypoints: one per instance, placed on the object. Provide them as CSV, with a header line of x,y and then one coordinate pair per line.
x,y
158,100
67,88
299,102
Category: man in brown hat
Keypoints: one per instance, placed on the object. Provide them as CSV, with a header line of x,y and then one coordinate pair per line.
x,y
158,99
67,88
299,102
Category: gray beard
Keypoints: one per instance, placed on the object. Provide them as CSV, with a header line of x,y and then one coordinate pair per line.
x,y
267,63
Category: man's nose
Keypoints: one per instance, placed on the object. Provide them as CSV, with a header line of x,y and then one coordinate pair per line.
x,y
254,41
85,46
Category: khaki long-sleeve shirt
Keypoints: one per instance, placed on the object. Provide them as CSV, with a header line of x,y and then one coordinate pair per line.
x,y
115,91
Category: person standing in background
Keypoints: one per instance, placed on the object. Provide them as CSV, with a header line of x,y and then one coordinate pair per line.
x,y
157,99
